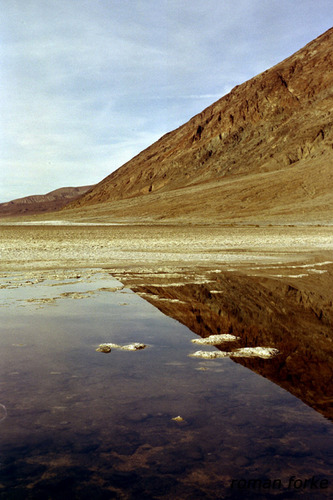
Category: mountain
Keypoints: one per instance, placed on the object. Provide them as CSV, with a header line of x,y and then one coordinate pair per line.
x,y
44,203
262,152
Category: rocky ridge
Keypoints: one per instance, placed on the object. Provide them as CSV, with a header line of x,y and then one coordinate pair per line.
x,y
43,203
264,149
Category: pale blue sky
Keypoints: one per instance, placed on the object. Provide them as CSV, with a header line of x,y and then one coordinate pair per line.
x,y
87,84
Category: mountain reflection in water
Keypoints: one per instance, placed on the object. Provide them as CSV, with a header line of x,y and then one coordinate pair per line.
x,y
295,319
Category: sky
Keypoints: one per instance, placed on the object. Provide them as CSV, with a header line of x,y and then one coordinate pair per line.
x,y
85,85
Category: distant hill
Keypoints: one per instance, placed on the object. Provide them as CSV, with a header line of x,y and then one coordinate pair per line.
x,y
262,152
44,203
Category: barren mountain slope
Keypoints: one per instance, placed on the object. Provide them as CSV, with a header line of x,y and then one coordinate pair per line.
x,y
43,202
265,148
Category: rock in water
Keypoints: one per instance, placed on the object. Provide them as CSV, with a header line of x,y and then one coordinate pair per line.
x,y
103,348
178,419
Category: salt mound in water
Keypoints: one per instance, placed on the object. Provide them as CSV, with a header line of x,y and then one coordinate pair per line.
x,y
216,339
136,346
244,352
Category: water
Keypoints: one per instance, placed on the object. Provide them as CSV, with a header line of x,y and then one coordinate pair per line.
x,y
76,423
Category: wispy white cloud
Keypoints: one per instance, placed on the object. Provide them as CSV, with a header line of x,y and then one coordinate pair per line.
x,y
85,85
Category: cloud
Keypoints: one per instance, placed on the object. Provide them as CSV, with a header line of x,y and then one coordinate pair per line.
x,y
86,85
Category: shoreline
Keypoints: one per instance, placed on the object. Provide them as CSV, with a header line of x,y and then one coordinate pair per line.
x,y
269,286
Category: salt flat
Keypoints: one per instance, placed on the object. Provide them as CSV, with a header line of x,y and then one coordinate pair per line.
x,y
160,247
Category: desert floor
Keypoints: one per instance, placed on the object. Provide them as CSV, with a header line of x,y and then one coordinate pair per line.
x,y
300,256
159,248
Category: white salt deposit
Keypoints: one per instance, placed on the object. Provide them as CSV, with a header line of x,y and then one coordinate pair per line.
x,y
260,352
136,346
216,339
244,352
210,354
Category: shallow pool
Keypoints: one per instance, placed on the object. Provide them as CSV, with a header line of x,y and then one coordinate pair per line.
x,y
77,423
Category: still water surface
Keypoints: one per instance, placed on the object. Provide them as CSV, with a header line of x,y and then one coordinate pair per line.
x,y
81,424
